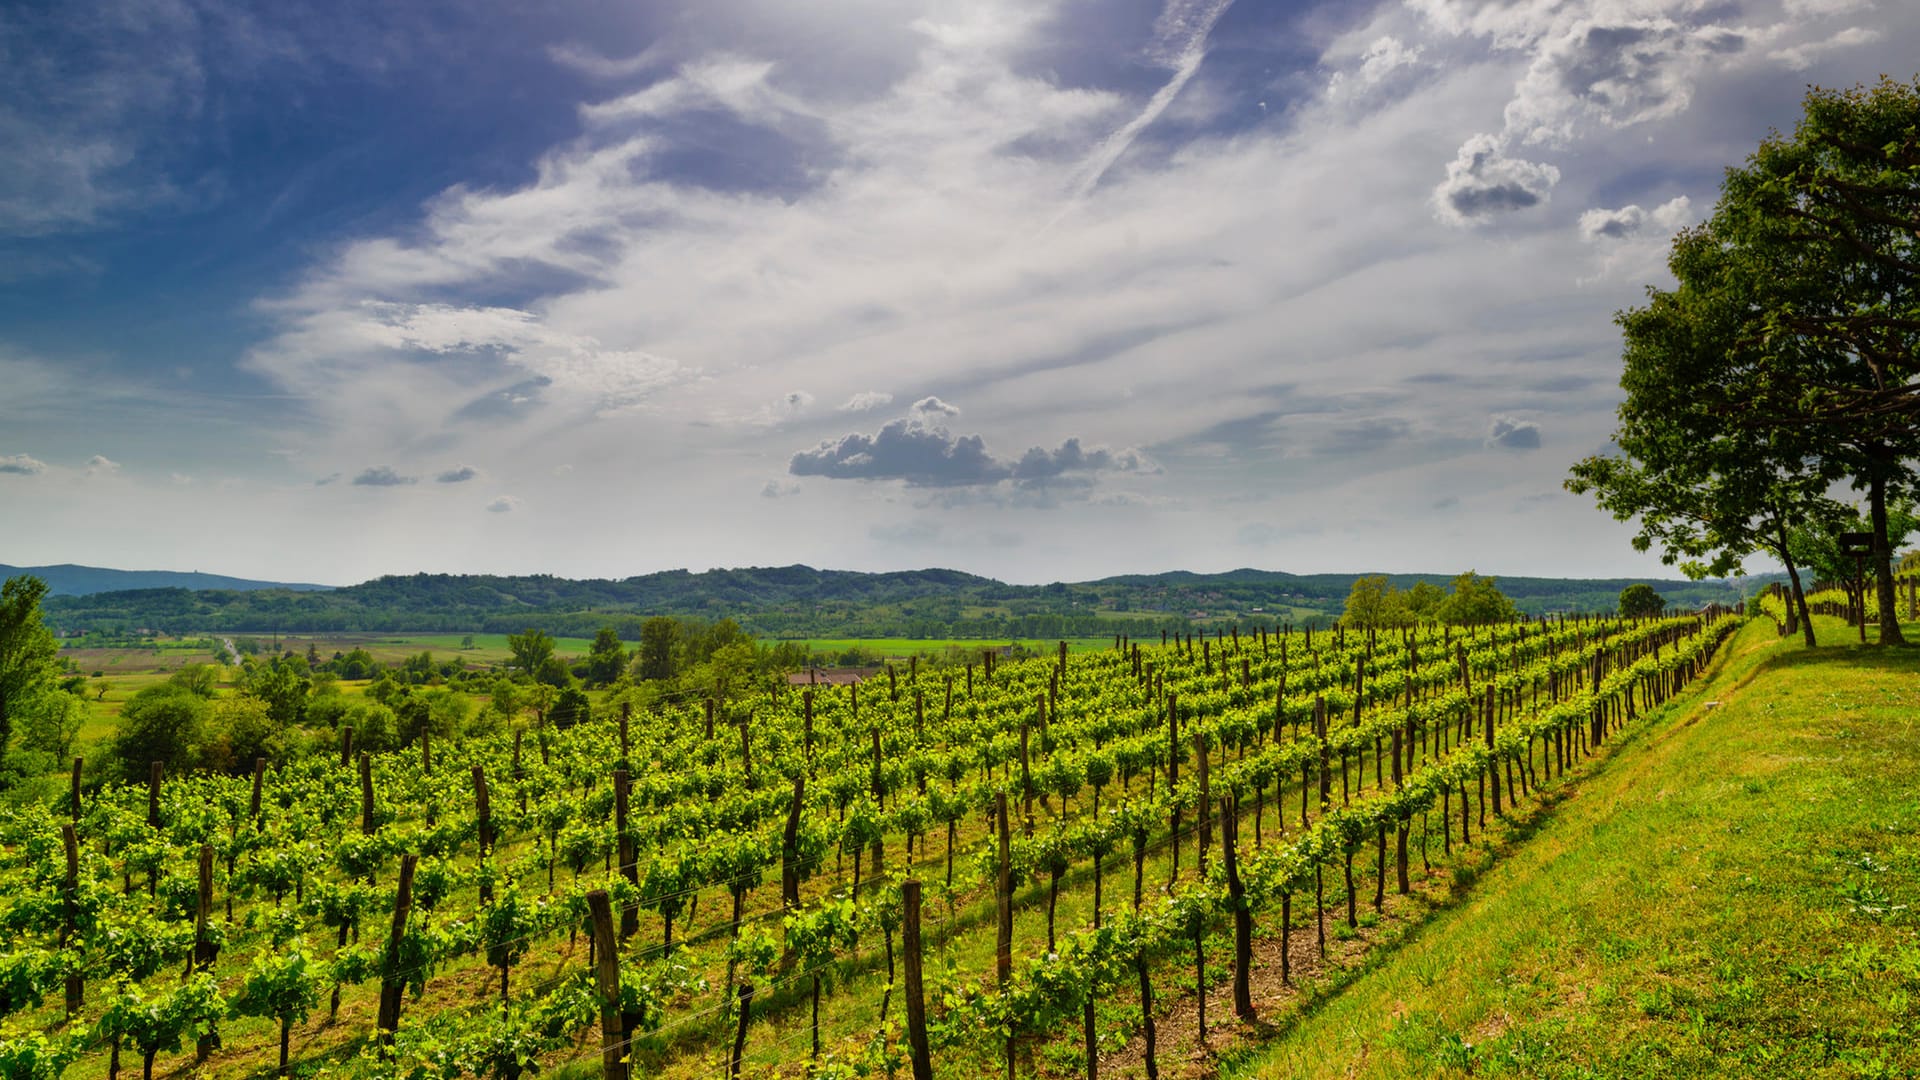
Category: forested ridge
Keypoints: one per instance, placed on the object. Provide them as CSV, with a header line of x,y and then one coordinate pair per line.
x,y
798,601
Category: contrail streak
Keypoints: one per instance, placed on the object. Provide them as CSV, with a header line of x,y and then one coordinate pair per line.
x,y
1180,40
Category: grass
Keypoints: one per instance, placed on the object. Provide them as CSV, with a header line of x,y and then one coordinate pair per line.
x,y
1733,893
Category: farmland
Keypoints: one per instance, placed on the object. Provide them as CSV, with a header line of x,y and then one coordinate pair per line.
x,y
763,841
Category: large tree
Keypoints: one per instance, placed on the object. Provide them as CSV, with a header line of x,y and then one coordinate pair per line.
x,y
1788,358
27,650
1826,223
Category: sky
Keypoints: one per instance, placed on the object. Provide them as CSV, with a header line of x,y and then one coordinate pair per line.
x,y
1042,289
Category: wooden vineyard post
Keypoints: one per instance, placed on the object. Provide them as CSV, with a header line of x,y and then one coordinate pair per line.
x,y
626,717
366,793
1146,1003
623,839
483,812
1003,895
259,776
393,981
1400,832
1493,764
879,847
806,708
1205,809
1242,912
606,974
1326,770
203,948
69,899
73,798
155,771
1173,780
740,1032
346,746
709,719
1026,783
790,849
915,989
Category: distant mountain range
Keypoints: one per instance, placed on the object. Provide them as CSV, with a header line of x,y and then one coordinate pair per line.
x,y
70,580
785,602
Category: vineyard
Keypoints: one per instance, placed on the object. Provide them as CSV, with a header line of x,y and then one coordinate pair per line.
x,y
993,869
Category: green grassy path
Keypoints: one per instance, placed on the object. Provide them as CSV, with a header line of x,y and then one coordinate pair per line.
x,y
1736,892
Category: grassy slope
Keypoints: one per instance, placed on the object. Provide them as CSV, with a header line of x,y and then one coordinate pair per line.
x,y
1734,893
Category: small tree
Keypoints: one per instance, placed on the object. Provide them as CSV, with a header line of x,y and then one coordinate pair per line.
x,y
530,650
1641,602
162,723
1476,600
1373,603
607,659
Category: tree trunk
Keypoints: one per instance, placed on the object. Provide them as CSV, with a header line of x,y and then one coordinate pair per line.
x,y
1798,600
1882,560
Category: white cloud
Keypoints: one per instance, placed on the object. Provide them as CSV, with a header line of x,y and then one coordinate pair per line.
x,y
101,465
1510,433
1483,181
1385,61
22,465
1603,224
503,504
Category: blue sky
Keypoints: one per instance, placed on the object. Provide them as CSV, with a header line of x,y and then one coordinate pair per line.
x,y
1040,290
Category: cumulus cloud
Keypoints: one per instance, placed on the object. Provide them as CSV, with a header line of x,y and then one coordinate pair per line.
x,y
919,451
1510,433
866,400
779,489
22,465
1603,224
1386,60
1614,73
909,449
1483,181
458,475
383,476
503,504
101,465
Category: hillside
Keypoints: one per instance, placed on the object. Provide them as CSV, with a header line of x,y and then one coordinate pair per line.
x,y
67,579
799,601
1733,893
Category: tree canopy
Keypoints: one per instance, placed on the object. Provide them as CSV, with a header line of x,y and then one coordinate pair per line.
x,y
28,666
1639,601
1787,359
